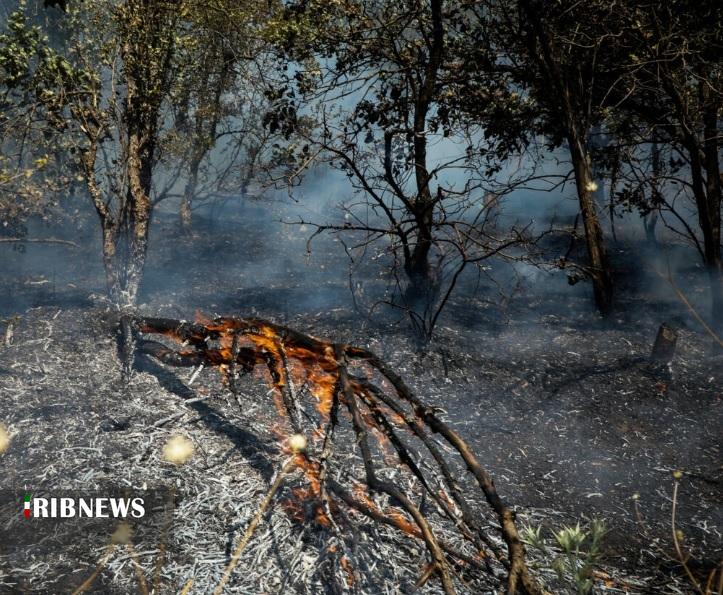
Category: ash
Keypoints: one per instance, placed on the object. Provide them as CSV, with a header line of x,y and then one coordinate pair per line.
x,y
563,409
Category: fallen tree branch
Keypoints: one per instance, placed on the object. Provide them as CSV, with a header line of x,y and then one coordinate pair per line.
x,y
376,417
248,534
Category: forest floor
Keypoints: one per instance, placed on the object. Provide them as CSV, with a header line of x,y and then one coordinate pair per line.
x,y
561,407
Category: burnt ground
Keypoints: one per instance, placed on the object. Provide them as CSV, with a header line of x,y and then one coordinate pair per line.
x,y
562,407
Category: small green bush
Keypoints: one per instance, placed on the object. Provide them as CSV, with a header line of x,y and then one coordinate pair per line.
x,y
572,552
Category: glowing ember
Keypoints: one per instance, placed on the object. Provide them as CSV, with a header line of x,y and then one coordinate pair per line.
x,y
385,417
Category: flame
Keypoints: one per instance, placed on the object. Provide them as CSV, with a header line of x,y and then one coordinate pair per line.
x,y
394,515
314,364
402,522
284,359
305,499
200,318
304,502
280,357
308,497
346,565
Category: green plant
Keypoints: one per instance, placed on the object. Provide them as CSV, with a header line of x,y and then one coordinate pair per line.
x,y
572,552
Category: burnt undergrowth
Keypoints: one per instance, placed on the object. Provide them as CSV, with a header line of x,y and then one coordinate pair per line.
x,y
560,406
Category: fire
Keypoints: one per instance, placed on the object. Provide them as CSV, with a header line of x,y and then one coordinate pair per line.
x,y
307,500
346,565
285,361
315,368
394,515
372,401
322,386
304,504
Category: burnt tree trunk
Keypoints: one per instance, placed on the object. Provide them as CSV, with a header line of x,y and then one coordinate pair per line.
x,y
664,346
594,239
716,285
146,53
568,102
189,193
422,280
712,243
135,217
706,185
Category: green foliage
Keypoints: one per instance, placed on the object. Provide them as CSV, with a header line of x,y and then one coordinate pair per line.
x,y
35,170
573,552
17,47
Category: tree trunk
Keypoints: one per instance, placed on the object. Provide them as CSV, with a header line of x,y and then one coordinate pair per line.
x,y
664,346
594,240
650,222
422,282
109,226
597,141
184,213
203,138
109,261
137,220
570,105
712,245
189,193
706,185
135,223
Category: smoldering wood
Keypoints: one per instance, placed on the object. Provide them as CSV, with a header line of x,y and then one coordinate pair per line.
x,y
388,408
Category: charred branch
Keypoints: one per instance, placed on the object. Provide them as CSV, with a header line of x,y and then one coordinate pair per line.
x,y
376,416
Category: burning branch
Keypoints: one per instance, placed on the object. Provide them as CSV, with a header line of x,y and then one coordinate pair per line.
x,y
354,392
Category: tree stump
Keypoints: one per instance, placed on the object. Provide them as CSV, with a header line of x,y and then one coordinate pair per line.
x,y
664,346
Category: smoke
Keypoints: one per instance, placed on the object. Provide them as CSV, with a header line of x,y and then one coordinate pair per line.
x,y
250,256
